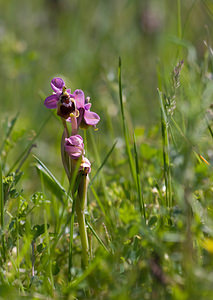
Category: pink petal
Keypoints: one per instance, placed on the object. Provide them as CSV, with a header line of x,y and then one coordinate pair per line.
x,y
57,84
74,152
87,106
91,118
51,101
74,140
79,98
69,120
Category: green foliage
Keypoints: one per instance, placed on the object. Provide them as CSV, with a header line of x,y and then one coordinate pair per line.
x,y
150,209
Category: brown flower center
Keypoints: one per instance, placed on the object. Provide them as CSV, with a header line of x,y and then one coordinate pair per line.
x,y
66,106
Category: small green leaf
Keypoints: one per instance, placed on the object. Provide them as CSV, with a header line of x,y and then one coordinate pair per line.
x,y
38,230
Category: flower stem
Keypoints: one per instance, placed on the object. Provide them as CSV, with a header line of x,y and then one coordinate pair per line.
x,y
65,127
80,210
71,238
74,125
64,156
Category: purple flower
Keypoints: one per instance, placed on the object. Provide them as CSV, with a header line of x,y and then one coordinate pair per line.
x,y
74,146
61,99
85,166
86,117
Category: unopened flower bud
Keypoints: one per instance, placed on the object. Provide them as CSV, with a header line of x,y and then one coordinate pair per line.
x,y
85,166
74,146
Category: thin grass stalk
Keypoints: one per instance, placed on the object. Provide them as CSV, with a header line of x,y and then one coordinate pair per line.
x,y
47,239
2,213
9,131
179,19
17,238
166,152
125,130
29,145
139,186
47,171
98,160
99,203
179,28
86,273
103,163
209,127
97,236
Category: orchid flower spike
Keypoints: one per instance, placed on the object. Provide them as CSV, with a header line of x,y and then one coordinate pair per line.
x,y
62,99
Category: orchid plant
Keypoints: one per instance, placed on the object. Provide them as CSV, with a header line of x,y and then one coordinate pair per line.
x,y
74,108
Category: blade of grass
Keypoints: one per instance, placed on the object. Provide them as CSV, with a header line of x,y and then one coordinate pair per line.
x,y
52,177
96,236
179,19
125,130
50,184
29,145
10,128
209,127
2,212
196,153
139,187
98,160
166,158
86,273
98,200
47,239
103,163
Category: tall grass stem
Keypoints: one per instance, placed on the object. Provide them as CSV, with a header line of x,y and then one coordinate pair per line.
x,y
125,130
2,212
139,186
166,152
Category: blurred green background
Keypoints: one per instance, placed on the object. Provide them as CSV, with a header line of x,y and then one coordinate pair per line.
x,y
81,42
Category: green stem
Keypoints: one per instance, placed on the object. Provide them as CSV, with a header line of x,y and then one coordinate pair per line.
x,y
65,127
64,157
71,238
125,130
2,212
179,19
45,212
166,152
80,210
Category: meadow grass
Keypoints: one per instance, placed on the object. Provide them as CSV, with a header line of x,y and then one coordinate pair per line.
x,y
149,214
